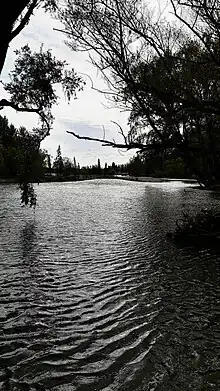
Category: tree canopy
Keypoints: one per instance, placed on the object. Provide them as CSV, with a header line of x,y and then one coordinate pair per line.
x,y
165,73
32,85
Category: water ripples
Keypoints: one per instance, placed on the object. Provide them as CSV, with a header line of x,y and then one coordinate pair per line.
x,y
94,298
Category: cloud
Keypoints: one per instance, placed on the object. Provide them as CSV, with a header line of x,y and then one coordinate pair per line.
x,y
85,115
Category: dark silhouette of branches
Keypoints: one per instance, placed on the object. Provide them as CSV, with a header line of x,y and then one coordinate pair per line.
x,y
169,144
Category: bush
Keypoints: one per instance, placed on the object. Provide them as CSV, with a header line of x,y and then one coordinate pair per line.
x,y
204,225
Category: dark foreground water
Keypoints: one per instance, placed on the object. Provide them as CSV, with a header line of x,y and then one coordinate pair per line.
x,y
94,297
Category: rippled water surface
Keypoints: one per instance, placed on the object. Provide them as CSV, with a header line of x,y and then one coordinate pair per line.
x,y
94,297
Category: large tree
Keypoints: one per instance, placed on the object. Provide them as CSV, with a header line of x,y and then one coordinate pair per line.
x,y
33,81
166,74
153,68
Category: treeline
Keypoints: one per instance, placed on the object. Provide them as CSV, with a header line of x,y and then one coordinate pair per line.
x,y
22,160
20,155
166,164
158,164
64,168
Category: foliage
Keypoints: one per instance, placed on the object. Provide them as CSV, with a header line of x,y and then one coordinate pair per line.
x,y
21,159
33,82
158,164
58,163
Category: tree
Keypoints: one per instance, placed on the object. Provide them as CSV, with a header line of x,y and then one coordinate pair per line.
x,y
32,89
35,74
68,167
20,158
49,165
156,70
159,164
201,18
99,170
58,162
33,80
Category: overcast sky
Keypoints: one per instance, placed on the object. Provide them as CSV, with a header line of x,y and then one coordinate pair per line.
x,y
86,115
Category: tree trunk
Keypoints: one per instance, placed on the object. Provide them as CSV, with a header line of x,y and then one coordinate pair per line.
x,y
10,12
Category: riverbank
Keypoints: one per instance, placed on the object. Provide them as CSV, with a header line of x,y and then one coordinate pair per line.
x,y
54,178
152,179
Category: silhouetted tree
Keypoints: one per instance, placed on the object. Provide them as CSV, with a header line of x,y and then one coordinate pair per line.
x,y
167,76
49,165
159,164
21,159
32,82
58,165
99,170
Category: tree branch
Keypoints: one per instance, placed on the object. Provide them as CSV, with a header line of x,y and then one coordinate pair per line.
x,y
194,31
7,103
121,132
44,119
134,145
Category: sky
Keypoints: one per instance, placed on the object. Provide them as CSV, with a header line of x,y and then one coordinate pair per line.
x,y
85,116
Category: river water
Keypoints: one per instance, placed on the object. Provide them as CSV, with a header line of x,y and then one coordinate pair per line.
x,y
94,297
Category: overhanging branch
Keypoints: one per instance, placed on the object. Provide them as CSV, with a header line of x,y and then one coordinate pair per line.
x,y
7,103
134,145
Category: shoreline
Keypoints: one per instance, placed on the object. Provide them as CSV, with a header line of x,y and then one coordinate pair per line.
x,y
153,179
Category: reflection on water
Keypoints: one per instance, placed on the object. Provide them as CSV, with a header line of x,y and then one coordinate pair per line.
x,y
27,240
94,297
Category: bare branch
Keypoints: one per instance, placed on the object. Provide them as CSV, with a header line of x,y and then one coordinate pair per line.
x,y
121,132
97,89
108,143
133,145
195,31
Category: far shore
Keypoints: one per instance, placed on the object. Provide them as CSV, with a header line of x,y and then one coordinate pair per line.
x,y
153,179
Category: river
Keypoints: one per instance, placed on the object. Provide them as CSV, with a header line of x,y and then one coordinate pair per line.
x,y
94,297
